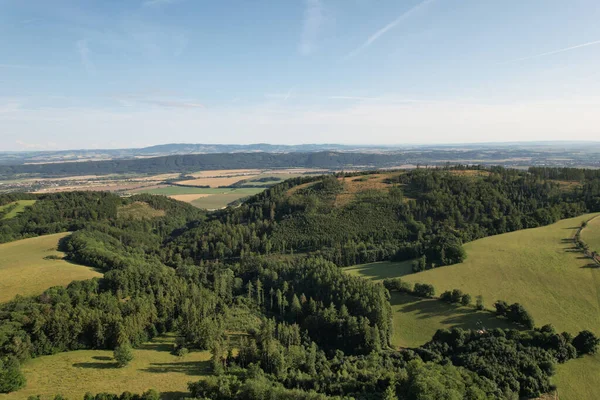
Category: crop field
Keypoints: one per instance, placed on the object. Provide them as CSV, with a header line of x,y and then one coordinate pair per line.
x,y
74,373
591,234
21,204
30,266
208,198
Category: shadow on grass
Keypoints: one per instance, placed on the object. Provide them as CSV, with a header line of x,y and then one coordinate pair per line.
x,y
157,346
173,395
96,365
195,368
102,358
383,269
448,314
591,266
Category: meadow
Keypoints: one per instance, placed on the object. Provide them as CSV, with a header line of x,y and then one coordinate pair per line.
x,y
538,268
30,266
74,373
21,204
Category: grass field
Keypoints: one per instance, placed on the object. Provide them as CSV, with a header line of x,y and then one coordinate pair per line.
x,y
74,373
21,204
591,234
579,379
139,210
416,320
25,270
380,270
535,267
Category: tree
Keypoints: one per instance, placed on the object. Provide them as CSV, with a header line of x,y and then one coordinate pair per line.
x,y
586,343
123,355
479,303
11,378
296,307
465,300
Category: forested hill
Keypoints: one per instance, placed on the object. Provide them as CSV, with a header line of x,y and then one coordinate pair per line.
x,y
356,218
310,331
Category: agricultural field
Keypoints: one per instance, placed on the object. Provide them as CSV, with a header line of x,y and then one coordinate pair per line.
x,y
74,373
20,207
30,266
591,234
208,198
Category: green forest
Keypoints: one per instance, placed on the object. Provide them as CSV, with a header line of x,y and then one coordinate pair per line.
x,y
271,269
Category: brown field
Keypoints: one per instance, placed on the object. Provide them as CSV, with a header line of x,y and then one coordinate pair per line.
x,y
225,172
189,198
357,184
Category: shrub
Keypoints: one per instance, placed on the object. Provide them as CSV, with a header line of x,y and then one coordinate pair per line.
x,y
586,343
11,378
123,355
465,300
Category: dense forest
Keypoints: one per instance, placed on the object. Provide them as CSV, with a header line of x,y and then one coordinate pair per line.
x,y
270,268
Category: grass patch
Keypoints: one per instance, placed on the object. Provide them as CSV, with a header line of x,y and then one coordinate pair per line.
x,y
20,207
218,201
177,190
416,320
578,379
139,210
538,268
74,373
30,266
591,234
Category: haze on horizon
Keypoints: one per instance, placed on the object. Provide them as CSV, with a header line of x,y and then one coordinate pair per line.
x,y
115,74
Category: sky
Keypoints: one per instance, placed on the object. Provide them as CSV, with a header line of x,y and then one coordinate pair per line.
x,y
133,73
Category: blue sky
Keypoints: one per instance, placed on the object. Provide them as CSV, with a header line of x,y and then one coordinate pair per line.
x,y
129,73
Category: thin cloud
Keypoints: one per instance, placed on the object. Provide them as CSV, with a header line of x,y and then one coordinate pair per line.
x,y
311,26
403,17
84,55
353,98
549,53
131,101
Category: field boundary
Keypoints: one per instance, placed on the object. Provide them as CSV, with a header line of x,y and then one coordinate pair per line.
x,y
593,254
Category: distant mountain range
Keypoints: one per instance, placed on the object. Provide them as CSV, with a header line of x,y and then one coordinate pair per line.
x,y
34,157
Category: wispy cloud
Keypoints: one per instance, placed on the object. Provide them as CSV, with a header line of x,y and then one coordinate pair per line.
x,y
84,55
311,26
152,3
403,17
133,100
549,53
353,98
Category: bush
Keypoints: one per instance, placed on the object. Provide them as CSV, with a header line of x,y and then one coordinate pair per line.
x,y
586,343
11,378
479,303
424,290
465,300
123,355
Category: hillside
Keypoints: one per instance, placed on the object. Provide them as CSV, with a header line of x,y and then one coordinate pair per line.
x,y
30,266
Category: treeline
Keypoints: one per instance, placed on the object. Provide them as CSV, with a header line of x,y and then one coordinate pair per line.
x,y
424,214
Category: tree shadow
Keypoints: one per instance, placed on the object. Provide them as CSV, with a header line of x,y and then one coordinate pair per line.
x,y
383,269
591,266
96,365
449,314
173,395
194,368
102,358
157,346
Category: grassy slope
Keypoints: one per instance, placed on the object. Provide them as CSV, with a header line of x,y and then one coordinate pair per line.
x,y
591,234
535,267
24,271
21,204
74,373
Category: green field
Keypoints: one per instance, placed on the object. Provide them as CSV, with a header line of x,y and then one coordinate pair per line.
x,y
21,204
25,269
176,190
591,234
74,373
416,320
536,267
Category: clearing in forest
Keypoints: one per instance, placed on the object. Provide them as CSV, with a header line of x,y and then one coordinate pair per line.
x,y
16,208
30,266
74,373
139,210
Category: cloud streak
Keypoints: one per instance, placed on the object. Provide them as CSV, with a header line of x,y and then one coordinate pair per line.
x,y
403,17
550,53
84,55
311,26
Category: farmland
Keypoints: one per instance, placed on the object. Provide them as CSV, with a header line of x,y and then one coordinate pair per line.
x,y
208,198
29,266
74,373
